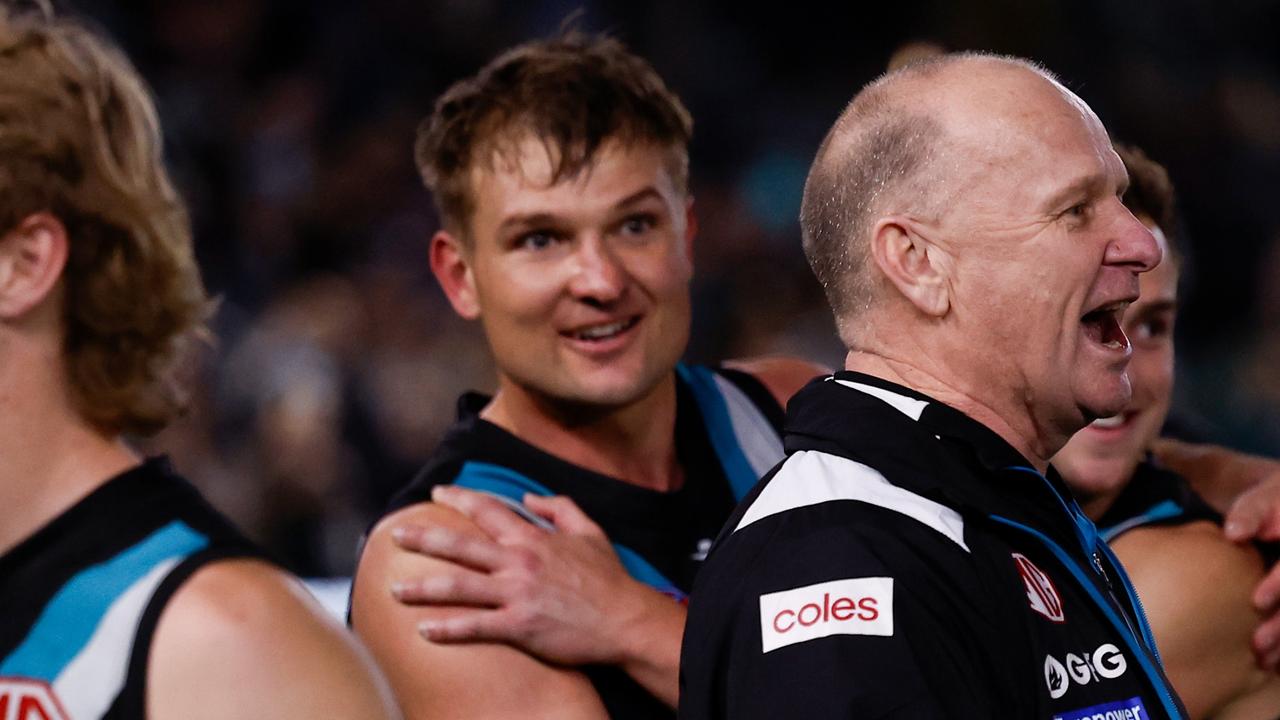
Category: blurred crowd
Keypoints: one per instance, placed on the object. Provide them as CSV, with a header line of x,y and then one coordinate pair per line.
x,y
337,362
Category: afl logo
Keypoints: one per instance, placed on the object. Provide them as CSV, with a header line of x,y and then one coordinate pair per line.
x,y
23,699
1041,593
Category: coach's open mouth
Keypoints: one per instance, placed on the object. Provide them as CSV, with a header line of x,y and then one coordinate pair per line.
x,y
1103,325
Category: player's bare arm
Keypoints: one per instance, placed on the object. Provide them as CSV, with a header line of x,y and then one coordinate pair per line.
x,y
781,376
1247,489
241,639
438,679
1195,587
562,596
1221,476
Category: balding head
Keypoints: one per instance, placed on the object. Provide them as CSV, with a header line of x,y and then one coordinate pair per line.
x,y
890,153
964,216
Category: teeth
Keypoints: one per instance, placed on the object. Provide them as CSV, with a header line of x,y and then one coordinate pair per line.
x,y
1114,421
601,331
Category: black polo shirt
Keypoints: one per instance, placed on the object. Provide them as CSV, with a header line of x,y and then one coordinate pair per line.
x,y
906,562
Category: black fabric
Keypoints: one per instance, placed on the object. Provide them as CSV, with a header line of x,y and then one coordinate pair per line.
x,y
672,530
1152,486
965,640
112,518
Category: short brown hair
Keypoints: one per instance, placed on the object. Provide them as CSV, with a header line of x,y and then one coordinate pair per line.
x,y
572,92
79,138
1150,191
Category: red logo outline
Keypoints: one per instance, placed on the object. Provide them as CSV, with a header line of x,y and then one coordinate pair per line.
x,y
38,701
1042,595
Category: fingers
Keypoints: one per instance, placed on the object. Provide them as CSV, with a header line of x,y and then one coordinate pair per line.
x,y
1266,645
495,519
1256,513
460,587
1245,516
563,513
1266,596
445,544
482,626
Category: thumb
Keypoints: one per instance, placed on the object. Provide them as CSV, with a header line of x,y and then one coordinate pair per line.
x,y
563,513
1255,514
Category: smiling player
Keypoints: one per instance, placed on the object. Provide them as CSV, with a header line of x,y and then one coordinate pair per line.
x,y
561,171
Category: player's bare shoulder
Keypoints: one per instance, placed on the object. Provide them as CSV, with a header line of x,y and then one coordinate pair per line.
x,y
438,681
243,639
1196,586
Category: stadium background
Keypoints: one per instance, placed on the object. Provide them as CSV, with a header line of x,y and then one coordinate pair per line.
x,y
289,124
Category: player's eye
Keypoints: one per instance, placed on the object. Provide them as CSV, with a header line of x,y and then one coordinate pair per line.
x,y
638,224
1152,329
535,240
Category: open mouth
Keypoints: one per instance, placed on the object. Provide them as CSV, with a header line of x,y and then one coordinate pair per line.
x,y
1115,422
602,331
1103,326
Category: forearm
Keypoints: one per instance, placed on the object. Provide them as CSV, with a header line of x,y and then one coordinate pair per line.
x,y
1217,474
651,649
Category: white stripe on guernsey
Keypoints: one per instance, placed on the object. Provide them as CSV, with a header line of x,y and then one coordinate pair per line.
x,y
810,477
910,407
757,438
91,681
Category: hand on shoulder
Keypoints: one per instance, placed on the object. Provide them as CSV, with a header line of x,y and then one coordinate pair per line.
x,y
467,678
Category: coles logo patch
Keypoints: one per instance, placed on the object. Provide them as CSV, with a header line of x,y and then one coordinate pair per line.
x,y
24,699
857,606
1131,709
1105,663
1041,593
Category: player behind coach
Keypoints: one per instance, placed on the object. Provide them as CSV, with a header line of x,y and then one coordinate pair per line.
x,y
122,594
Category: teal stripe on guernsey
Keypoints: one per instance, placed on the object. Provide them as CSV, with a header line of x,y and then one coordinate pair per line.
x,y
1160,511
72,615
509,485
715,413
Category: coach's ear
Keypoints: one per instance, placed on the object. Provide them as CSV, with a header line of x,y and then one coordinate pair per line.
x,y
32,257
452,267
915,266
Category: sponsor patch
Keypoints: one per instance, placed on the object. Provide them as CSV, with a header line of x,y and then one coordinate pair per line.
x,y
1131,709
25,699
1105,663
1041,593
857,606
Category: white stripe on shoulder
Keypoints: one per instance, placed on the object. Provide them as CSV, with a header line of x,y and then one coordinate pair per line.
x,y
810,477
90,682
757,438
910,407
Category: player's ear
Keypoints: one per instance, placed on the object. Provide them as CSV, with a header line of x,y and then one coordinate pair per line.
x,y
917,267
32,257
690,228
451,264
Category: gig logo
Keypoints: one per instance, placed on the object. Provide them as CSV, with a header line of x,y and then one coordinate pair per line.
x,y
1105,663
857,606
23,699
1041,593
